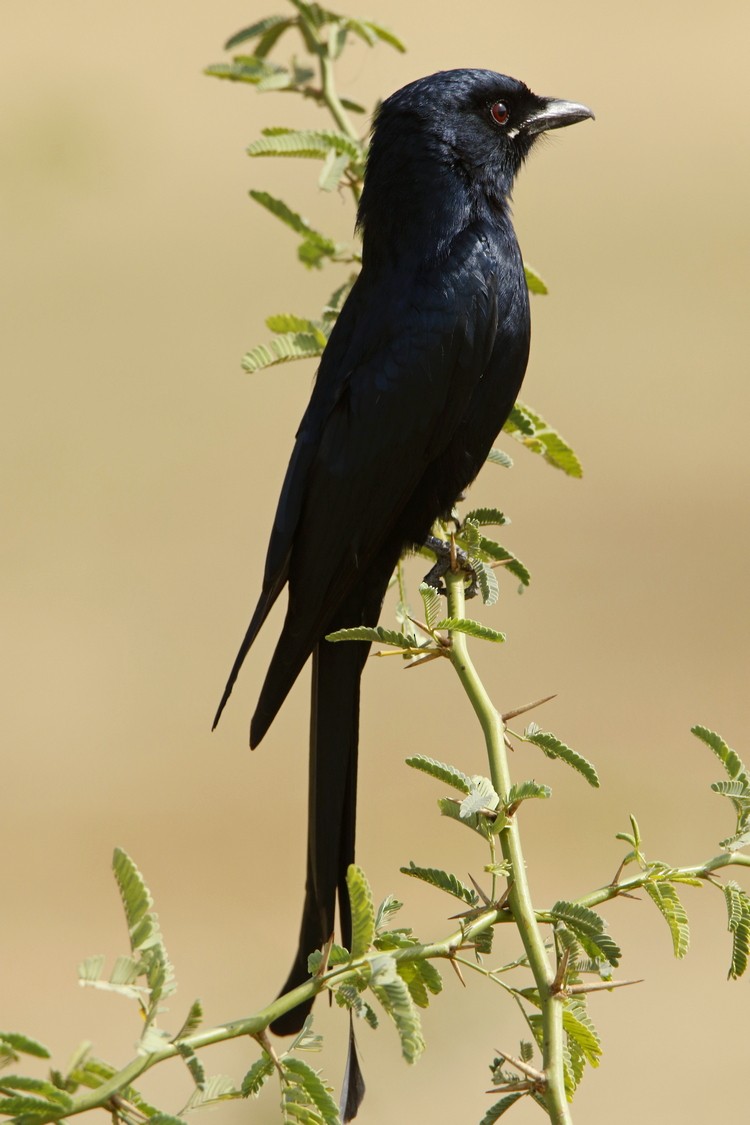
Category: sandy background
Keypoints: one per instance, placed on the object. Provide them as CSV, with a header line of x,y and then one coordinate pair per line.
x,y
140,469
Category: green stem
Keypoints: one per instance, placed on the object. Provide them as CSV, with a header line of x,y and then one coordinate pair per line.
x,y
332,100
257,1023
510,842
698,871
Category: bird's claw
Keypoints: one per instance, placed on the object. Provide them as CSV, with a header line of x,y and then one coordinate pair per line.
x,y
447,555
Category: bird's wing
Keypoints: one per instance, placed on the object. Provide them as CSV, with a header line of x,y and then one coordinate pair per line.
x,y
396,375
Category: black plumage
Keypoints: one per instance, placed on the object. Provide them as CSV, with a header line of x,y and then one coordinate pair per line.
x,y
419,374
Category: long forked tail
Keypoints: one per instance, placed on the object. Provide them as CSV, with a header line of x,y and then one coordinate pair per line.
x,y
334,737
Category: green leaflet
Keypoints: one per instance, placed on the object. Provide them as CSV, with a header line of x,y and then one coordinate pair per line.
x,y
421,979
440,770
432,604
333,170
731,761
377,635
486,517
194,1065
363,910
34,1090
254,30
303,1088
738,923
393,993
496,1111
288,322
292,345
578,918
452,808
312,143
554,748
532,431
487,582
371,32
443,880
254,1080
251,70
668,901
314,246
581,1031
489,549
23,1044
192,1022
526,791
387,910
589,929
471,629
217,1089
534,281
500,457
349,996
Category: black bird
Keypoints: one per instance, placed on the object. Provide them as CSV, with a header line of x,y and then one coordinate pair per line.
x,y
419,374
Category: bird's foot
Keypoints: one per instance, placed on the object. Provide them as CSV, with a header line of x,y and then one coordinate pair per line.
x,y
449,557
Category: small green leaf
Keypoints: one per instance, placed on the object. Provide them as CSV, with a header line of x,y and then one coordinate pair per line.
x,y
738,911
218,1088
194,1065
451,808
15,1043
534,281
526,791
486,580
333,170
486,517
667,900
532,431
387,910
253,30
440,770
443,880
282,349
377,635
500,457
496,1111
489,549
363,910
192,1022
578,918
252,70
431,602
731,761
579,1028
259,1072
370,31
326,246
310,143
471,629
554,748
302,1078
394,995
52,1095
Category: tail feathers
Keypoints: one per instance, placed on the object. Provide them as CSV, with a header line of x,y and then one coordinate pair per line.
x,y
337,669
262,609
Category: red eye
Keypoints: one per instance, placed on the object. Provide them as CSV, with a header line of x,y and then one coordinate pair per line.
x,y
499,113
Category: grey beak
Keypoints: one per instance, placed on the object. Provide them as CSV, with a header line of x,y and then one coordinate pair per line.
x,y
554,114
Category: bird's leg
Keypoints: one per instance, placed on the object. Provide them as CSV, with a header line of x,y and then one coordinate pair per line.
x,y
449,557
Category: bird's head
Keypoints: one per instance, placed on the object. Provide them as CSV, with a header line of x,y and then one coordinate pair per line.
x,y
473,127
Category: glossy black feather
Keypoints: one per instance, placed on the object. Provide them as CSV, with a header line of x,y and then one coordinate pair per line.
x,y
417,379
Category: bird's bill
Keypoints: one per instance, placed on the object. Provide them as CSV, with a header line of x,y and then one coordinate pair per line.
x,y
554,114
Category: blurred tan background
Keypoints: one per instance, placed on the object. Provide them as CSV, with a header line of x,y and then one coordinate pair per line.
x,y
140,471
